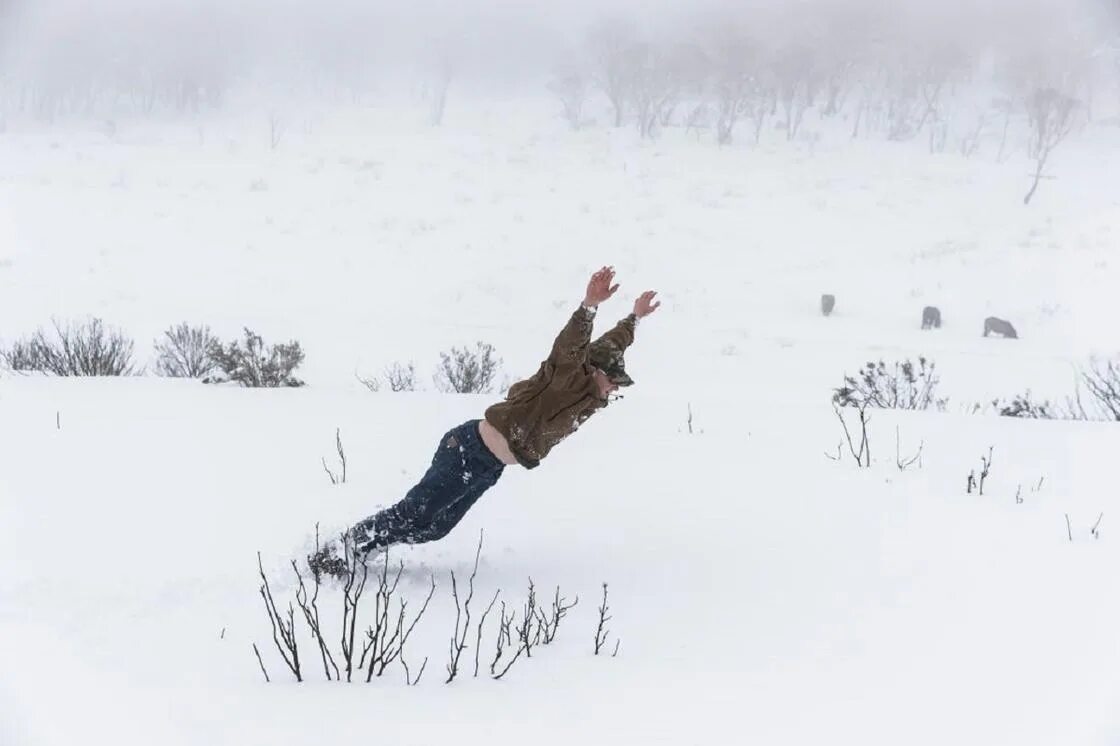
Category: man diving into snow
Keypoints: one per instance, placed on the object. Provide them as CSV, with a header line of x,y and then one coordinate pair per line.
x,y
574,383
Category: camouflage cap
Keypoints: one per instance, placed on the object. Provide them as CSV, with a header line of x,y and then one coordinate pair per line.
x,y
608,358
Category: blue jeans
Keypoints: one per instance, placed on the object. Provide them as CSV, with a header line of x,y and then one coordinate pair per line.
x,y
462,469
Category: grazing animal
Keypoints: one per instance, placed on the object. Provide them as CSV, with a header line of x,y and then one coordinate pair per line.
x,y
931,317
828,302
992,325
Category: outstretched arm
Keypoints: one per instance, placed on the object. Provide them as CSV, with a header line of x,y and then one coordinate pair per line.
x,y
622,335
571,344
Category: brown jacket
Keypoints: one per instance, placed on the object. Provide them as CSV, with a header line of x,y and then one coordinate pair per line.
x,y
541,411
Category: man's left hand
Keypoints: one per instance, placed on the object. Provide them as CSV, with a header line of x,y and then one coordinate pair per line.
x,y
645,304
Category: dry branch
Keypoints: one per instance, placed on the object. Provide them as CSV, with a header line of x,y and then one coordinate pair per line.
x,y
462,617
481,622
601,632
265,672
283,633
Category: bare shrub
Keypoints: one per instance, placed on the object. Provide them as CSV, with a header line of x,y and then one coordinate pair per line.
x,y
392,624
254,367
528,634
385,641
397,376
985,468
862,455
370,382
85,349
463,371
184,352
401,377
1103,381
901,386
549,621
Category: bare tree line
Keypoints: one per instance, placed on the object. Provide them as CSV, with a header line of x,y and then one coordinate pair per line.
x,y
737,81
882,68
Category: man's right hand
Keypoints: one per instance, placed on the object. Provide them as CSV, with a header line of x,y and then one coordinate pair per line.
x,y
599,288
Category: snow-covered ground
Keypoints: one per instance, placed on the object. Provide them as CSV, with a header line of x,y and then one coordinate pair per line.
x,y
761,591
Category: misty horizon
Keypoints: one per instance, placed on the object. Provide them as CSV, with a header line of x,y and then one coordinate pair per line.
x,y
285,49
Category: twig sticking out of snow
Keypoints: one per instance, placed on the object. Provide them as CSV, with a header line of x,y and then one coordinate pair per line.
x,y
904,464
863,455
339,478
258,652
481,622
462,617
601,632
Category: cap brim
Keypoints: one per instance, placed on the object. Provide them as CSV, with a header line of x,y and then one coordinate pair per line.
x,y
622,380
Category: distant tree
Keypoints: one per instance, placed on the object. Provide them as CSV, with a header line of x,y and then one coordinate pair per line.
x,y
735,82
612,44
793,71
441,82
1049,113
571,87
654,88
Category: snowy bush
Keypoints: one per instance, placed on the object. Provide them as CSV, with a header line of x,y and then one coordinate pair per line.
x,y
398,377
1025,406
1102,381
184,352
463,371
86,349
401,377
253,367
903,385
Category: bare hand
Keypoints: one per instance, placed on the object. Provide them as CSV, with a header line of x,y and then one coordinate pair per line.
x,y
600,288
645,305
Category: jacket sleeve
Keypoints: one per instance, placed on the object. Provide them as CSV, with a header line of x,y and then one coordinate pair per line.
x,y
622,335
571,344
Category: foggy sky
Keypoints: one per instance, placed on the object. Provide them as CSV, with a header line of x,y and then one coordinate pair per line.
x,y
497,38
